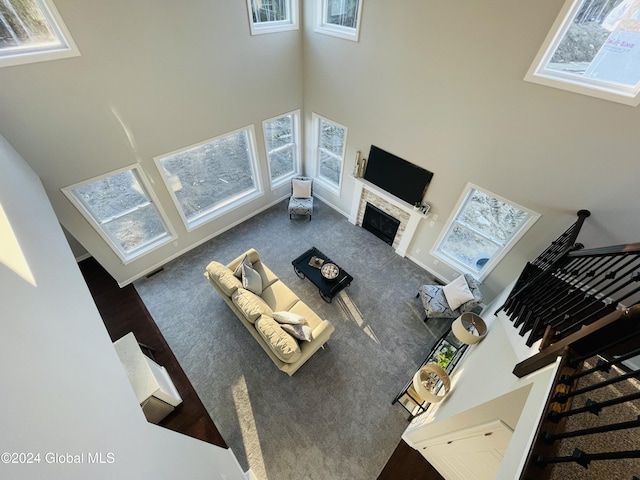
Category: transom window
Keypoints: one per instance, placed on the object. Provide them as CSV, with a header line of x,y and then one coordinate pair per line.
x,y
281,140
339,18
32,31
593,49
213,177
268,16
481,230
121,209
330,139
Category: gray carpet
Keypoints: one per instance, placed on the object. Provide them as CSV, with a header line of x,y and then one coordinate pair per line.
x,y
334,418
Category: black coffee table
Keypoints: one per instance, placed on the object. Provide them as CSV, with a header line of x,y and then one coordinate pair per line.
x,y
327,288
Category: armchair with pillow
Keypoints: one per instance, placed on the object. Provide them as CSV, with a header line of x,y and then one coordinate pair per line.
x,y
451,300
301,201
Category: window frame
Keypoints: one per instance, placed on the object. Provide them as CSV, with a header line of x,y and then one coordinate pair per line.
x,y
297,148
226,205
85,211
275,26
324,181
64,48
452,221
539,74
321,25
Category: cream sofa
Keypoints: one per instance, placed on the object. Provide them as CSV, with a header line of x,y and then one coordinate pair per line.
x,y
287,352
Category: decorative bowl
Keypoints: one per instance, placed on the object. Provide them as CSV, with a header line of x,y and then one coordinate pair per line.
x,y
330,271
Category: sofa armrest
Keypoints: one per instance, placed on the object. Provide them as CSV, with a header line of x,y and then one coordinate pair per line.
x,y
322,332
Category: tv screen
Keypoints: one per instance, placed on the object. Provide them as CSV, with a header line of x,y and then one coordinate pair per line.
x,y
397,176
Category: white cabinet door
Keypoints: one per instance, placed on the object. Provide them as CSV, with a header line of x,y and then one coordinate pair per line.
x,y
470,454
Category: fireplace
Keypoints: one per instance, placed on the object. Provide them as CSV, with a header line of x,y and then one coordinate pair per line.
x,y
380,223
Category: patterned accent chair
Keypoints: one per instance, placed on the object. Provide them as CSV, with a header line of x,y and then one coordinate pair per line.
x,y
435,302
301,201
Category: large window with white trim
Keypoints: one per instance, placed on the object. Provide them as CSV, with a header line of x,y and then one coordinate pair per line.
x,y
269,16
330,140
122,209
32,31
481,230
281,138
593,48
339,18
212,177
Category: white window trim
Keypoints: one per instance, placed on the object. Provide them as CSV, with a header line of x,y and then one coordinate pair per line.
x,y
296,134
493,262
227,205
67,49
274,27
572,83
347,33
123,256
316,149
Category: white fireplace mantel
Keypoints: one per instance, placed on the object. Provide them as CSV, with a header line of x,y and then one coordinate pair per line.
x,y
414,215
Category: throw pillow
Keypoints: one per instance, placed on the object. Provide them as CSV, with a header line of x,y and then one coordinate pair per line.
x,y
288,317
301,188
251,280
238,271
457,292
303,332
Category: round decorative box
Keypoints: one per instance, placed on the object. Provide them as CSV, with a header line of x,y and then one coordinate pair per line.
x,y
330,271
428,377
469,328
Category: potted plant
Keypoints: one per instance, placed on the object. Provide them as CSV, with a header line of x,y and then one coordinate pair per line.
x,y
417,205
444,357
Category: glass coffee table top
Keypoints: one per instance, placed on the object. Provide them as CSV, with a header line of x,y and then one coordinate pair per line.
x,y
309,265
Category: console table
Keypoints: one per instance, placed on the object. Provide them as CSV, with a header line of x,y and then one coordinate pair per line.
x,y
446,344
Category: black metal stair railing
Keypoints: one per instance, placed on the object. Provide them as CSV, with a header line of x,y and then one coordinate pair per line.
x,y
595,380
583,286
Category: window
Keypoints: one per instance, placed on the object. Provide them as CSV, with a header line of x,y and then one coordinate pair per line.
x,y
593,49
480,232
213,177
330,140
32,31
119,206
340,18
268,16
282,144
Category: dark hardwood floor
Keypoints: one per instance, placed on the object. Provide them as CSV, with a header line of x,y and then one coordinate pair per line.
x,y
123,311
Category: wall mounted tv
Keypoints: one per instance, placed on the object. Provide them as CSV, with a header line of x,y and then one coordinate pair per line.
x,y
397,176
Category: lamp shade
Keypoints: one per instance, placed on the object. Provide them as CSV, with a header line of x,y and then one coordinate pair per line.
x,y
426,378
469,328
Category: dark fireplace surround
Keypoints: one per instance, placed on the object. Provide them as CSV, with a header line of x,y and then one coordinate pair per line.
x,y
380,223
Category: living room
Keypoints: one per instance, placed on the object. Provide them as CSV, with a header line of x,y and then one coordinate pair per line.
x,y
440,85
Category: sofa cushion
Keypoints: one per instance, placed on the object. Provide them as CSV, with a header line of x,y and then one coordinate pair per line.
x,y
223,278
311,318
457,292
279,297
250,304
283,345
251,280
288,317
302,332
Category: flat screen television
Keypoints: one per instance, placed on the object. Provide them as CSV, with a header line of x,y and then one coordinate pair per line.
x,y
397,176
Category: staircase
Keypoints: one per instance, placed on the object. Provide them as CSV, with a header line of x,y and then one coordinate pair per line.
x,y
583,305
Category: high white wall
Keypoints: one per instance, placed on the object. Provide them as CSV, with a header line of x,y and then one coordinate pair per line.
x,y
437,83
64,390
441,85
152,77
